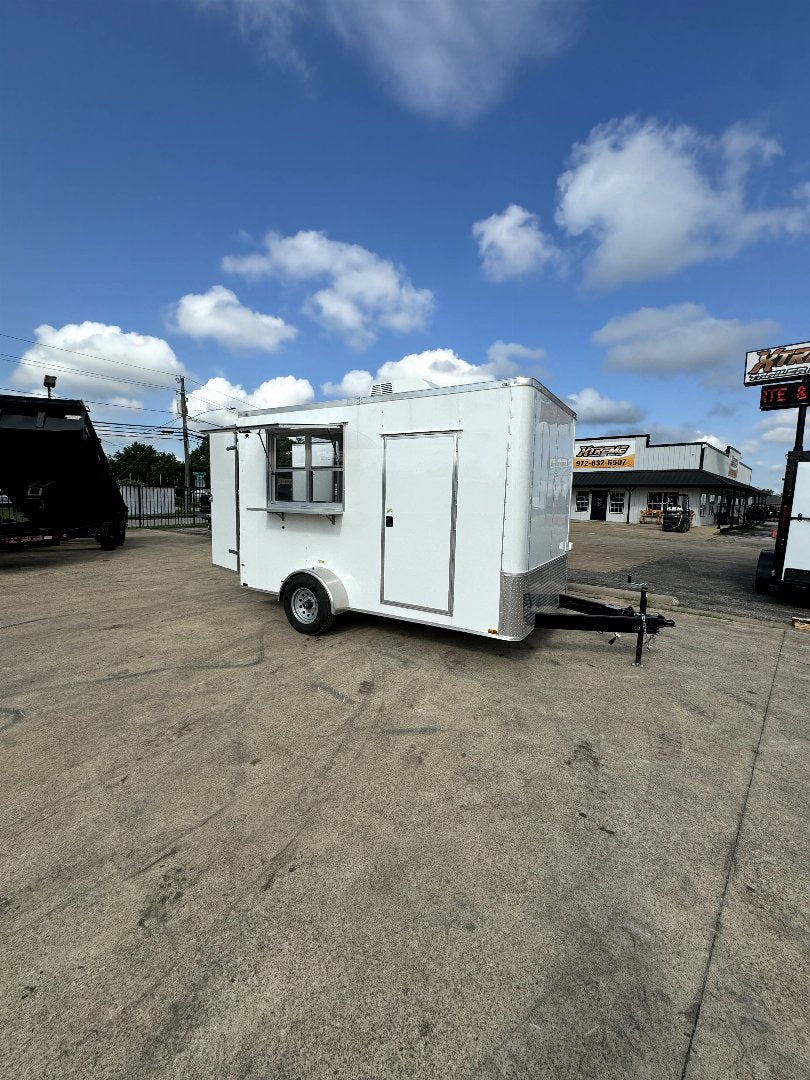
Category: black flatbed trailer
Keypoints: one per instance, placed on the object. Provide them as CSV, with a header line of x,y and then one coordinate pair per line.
x,y
55,475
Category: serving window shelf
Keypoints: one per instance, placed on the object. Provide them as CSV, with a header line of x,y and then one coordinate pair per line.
x,y
330,510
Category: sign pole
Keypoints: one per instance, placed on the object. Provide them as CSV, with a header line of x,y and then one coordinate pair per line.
x,y
800,427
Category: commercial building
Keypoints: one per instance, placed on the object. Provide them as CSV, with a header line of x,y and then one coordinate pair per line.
x,y
625,479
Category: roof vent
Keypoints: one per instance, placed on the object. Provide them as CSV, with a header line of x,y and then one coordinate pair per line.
x,y
400,386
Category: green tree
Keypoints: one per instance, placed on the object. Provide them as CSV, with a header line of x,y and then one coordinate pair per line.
x,y
145,464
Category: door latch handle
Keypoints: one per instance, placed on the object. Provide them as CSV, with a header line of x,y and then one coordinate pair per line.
x,y
389,521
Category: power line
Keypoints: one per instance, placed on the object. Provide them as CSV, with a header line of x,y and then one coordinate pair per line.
x,y
107,360
146,428
87,401
90,356
10,359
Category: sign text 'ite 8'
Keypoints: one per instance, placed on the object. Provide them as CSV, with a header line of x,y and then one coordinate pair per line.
x,y
784,396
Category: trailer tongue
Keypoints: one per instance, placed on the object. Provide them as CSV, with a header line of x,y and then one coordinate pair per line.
x,y
55,476
578,613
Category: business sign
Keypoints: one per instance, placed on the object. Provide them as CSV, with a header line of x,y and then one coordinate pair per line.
x,y
733,464
784,396
785,363
620,454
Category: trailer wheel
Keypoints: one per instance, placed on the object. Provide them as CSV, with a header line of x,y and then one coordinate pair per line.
x,y
107,537
306,605
763,579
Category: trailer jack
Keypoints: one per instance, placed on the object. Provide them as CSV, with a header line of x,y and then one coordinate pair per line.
x,y
594,616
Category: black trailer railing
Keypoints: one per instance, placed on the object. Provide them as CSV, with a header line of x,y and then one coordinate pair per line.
x,y
160,506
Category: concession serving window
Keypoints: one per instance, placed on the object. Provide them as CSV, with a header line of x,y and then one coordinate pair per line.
x,y
305,470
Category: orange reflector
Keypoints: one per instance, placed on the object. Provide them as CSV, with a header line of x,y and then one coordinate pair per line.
x,y
492,631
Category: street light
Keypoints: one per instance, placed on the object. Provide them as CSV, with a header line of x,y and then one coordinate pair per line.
x,y
49,382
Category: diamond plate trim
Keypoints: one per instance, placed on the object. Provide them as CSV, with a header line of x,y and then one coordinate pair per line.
x,y
523,595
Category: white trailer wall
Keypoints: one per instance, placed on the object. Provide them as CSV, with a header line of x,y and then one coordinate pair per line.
x,y
351,547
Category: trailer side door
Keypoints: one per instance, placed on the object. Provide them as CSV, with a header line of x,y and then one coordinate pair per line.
x,y
420,479
224,499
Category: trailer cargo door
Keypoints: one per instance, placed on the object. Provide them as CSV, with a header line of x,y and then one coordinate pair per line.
x,y
224,499
797,551
419,519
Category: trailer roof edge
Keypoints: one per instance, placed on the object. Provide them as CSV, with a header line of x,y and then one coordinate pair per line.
x,y
438,391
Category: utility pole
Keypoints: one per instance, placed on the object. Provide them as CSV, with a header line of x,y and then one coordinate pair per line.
x,y
184,417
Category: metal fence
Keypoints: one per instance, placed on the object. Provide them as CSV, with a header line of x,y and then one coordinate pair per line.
x,y
154,507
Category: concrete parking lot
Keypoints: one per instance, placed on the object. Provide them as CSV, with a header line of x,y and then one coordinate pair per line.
x,y
704,568
229,851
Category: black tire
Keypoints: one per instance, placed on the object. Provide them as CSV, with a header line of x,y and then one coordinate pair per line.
x,y
763,580
306,605
107,537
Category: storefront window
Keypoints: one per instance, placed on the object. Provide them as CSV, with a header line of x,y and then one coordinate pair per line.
x,y
617,502
582,501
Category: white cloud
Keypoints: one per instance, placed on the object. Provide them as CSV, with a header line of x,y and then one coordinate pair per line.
x,y
654,199
355,383
511,244
442,367
683,433
681,337
450,59
364,292
210,404
219,315
712,440
778,427
113,364
502,355
592,407
270,22
782,434
439,366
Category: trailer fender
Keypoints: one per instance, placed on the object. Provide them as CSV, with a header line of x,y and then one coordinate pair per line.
x,y
335,589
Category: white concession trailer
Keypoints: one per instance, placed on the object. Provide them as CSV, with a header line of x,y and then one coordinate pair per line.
x,y
439,505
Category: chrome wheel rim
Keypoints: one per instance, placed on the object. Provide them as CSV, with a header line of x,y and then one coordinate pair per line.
x,y
304,604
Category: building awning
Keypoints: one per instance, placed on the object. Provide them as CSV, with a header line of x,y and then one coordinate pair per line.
x,y
656,479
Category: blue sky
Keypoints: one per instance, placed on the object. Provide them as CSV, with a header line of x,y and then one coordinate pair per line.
x,y
283,198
